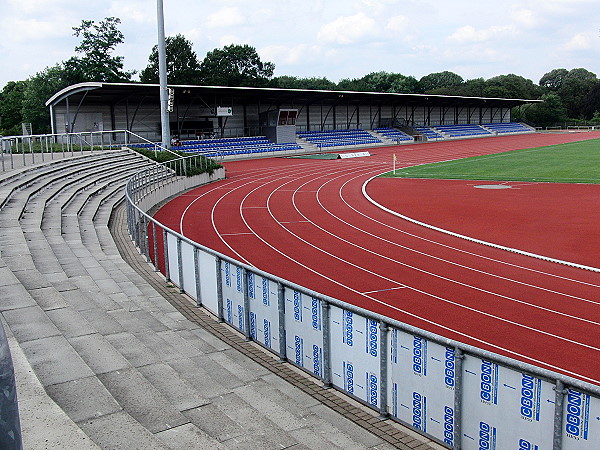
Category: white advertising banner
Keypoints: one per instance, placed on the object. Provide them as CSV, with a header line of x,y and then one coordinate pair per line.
x,y
189,275
264,311
504,408
304,331
172,259
581,421
421,384
233,295
355,355
207,268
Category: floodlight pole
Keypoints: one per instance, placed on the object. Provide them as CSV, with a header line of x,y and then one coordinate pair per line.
x,y
162,74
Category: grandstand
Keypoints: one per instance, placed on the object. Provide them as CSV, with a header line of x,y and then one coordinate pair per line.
x,y
339,138
393,134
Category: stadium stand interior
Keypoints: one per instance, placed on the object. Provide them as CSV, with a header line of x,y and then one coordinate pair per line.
x,y
393,134
337,138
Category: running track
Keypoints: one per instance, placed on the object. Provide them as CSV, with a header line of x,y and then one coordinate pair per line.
x,y
307,221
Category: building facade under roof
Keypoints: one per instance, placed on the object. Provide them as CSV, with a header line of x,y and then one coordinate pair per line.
x,y
242,111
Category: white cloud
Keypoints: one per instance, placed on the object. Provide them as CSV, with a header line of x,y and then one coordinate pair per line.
x,y
469,34
348,29
25,30
297,54
137,11
225,17
397,23
526,17
581,41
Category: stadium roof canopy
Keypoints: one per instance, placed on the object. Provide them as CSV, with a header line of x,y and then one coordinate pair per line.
x,y
102,93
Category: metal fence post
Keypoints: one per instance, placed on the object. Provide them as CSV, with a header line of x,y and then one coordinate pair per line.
x,y
155,246
166,255
197,276
326,346
247,330
458,381
560,392
180,265
281,310
383,370
219,291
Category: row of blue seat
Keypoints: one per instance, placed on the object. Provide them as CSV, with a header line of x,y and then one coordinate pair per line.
x,y
338,138
250,150
394,134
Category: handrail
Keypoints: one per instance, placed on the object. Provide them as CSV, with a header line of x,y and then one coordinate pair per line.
x,y
207,282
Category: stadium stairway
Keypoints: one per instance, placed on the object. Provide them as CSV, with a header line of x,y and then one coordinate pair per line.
x,y
109,355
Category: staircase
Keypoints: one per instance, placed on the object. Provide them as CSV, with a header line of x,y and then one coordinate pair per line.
x,y
102,360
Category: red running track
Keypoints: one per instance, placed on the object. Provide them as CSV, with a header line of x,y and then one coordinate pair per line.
x,y
307,221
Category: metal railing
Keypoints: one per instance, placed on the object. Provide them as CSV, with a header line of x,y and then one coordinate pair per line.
x,y
21,151
456,394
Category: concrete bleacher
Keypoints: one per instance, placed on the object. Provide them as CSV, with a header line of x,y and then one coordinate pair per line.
x,y
339,138
393,134
429,132
508,127
221,147
461,130
108,355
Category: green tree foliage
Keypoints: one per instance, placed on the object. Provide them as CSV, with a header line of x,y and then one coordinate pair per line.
x,y
591,108
291,82
98,41
381,82
440,80
235,65
183,66
511,86
549,113
573,87
38,89
11,102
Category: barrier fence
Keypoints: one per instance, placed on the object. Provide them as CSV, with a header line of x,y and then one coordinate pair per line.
x,y
458,395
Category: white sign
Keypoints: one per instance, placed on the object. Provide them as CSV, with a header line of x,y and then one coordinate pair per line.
x,y
223,111
354,155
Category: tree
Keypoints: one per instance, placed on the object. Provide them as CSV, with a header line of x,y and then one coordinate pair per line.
x,y
235,65
183,66
11,101
38,89
511,86
553,80
98,41
292,82
548,113
591,106
381,82
439,80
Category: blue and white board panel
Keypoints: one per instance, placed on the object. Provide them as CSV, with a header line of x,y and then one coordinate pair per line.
x,y
264,311
189,274
504,408
207,268
232,278
172,259
421,385
355,355
581,421
304,331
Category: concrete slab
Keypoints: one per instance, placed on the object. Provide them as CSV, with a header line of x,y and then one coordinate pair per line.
x,y
189,436
98,353
32,279
102,321
121,431
177,390
132,349
55,361
28,324
44,425
7,277
142,400
15,297
214,422
84,399
48,298
70,323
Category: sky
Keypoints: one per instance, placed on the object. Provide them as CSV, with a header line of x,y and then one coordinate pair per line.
x,y
335,39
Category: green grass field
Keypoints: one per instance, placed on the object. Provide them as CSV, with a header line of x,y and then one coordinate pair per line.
x,y
575,162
